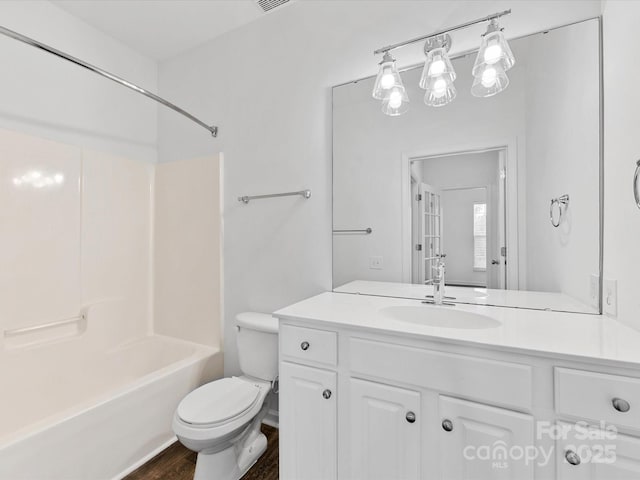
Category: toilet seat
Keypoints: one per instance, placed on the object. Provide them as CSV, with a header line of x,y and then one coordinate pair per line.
x,y
218,402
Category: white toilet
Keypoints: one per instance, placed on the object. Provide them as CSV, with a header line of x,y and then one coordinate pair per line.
x,y
221,420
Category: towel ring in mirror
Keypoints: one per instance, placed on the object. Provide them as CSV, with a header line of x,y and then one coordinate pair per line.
x,y
636,193
562,203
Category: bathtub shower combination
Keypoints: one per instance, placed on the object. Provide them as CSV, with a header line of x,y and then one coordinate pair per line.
x,y
101,335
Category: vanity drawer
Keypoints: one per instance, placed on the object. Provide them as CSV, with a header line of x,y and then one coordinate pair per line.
x,y
317,346
592,396
495,382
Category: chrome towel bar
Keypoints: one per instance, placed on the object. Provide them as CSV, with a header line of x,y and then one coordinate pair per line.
x,y
247,198
44,326
364,231
562,204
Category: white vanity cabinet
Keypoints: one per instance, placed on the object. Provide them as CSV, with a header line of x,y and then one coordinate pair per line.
x,y
603,404
358,402
597,457
471,432
384,430
308,408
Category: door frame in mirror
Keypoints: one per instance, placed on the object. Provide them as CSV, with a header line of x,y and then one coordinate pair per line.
x,y
514,207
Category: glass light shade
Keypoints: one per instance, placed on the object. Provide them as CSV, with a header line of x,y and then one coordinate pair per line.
x,y
396,103
494,50
437,64
388,77
489,81
440,91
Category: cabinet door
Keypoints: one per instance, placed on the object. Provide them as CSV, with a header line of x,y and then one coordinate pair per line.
x,y
596,454
384,432
307,423
479,442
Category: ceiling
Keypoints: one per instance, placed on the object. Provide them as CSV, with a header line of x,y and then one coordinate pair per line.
x,y
161,29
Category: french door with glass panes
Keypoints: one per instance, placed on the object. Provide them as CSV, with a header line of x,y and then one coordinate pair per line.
x,y
429,246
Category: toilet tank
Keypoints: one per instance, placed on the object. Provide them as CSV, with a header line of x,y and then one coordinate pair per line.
x,y
257,339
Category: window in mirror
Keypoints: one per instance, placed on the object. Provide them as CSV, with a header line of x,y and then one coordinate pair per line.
x,y
480,237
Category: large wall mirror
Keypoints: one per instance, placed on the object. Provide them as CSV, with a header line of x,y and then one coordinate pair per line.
x,y
506,190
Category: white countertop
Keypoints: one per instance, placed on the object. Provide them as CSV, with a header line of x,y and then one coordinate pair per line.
x,y
528,331
558,302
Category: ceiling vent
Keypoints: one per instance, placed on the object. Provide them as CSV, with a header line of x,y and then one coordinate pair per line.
x,y
267,5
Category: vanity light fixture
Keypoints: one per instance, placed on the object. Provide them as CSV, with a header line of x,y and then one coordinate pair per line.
x,y
438,76
492,62
388,87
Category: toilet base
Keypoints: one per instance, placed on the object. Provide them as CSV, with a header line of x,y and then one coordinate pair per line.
x,y
233,462
221,465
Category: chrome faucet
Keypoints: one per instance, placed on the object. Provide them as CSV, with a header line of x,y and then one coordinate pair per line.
x,y
438,296
438,283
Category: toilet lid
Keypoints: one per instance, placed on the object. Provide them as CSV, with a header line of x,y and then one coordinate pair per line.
x,y
218,401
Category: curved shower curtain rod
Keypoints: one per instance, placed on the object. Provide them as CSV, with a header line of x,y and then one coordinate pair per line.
x,y
65,56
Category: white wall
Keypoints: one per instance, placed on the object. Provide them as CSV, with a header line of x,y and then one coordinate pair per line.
x,y
51,98
621,151
268,87
563,157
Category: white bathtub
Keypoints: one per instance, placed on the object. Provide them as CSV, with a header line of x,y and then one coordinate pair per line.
x,y
72,411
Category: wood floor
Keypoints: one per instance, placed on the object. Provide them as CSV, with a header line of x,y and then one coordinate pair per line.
x,y
179,463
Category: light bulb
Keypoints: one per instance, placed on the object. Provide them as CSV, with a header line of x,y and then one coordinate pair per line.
x,y
489,76
440,91
395,99
437,68
396,102
386,82
439,87
492,53
387,78
490,81
58,178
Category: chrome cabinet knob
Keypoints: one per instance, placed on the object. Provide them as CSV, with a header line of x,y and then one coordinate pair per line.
x,y
326,394
572,457
620,405
411,417
304,346
447,425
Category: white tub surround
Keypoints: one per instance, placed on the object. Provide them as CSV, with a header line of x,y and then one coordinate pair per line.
x,y
423,399
88,388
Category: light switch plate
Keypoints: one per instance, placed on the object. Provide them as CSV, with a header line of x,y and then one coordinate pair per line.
x,y
610,297
376,263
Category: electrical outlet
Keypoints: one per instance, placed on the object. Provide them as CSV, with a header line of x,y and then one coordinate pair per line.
x,y
594,289
375,263
610,297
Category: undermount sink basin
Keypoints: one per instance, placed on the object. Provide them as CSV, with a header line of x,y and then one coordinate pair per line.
x,y
440,317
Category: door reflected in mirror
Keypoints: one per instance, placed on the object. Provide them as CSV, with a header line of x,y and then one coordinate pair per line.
x,y
458,212
472,183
